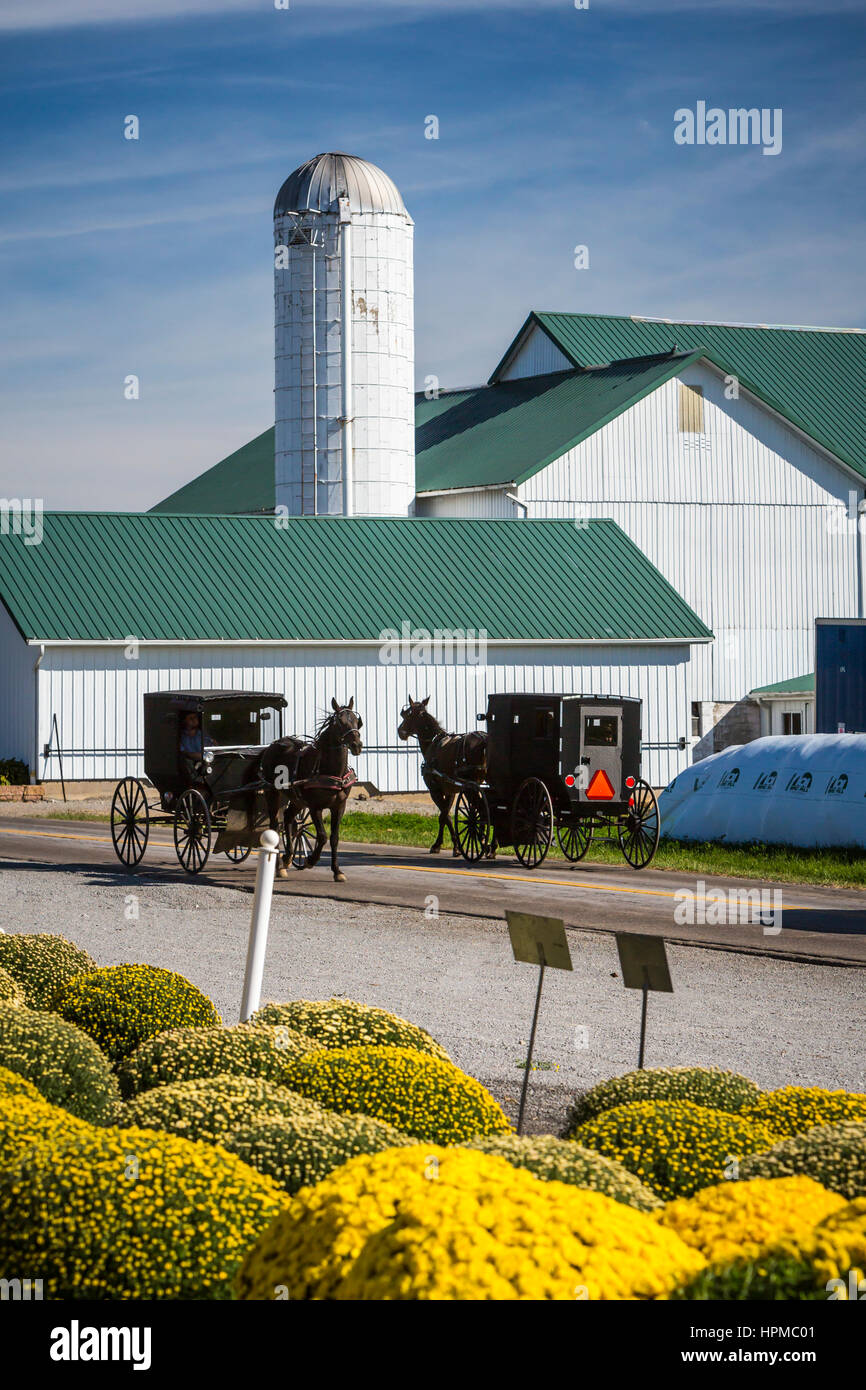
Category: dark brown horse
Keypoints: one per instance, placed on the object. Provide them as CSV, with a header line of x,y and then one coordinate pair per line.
x,y
446,757
312,775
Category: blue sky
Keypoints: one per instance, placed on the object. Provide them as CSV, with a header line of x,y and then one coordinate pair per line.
x,y
556,129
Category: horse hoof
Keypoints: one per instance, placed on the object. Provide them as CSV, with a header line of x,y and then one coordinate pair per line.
x,y
282,871
434,849
339,878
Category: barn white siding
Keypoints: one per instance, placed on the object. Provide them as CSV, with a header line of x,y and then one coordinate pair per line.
x,y
17,693
536,355
747,520
97,692
474,502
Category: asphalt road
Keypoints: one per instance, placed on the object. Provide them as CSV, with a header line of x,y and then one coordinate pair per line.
x,y
801,922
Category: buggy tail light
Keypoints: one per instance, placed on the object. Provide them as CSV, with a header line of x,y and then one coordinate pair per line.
x,y
569,781
629,781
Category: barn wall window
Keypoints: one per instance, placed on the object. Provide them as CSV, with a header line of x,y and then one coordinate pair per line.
x,y
691,409
792,723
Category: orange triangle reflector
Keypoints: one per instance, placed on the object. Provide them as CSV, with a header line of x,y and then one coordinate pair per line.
x,y
600,787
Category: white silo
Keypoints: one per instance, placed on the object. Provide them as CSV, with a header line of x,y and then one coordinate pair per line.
x,y
344,342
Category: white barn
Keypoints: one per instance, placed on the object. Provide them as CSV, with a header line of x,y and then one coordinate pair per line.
x,y
109,606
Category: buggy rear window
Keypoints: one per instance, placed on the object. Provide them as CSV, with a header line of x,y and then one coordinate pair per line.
x,y
600,731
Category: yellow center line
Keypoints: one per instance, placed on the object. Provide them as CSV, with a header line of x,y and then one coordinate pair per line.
x,y
425,869
67,835
566,883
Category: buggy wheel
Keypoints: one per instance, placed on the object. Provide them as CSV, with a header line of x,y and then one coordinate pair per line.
x,y
532,823
639,829
575,837
302,839
192,830
472,824
130,821
238,853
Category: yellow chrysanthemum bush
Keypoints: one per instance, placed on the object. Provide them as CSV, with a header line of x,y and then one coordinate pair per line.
x,y
827,1264
796,1109
120,1006
25,1118
346,1023
43,965
848,1221
560,1160
183,1054
420,1095
709,1086
64,1064
211,1108
298,1152
429,1222
834,1155
131,1214
674,1146
737,1220
11,992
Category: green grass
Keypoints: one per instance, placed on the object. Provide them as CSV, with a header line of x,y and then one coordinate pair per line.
x,y
833,868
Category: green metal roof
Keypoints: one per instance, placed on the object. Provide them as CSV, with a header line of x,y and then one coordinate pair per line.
x,y
814,377
243,482
108,576
798,685
507,432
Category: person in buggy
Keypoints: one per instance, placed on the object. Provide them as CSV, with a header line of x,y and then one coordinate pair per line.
x,y
193,742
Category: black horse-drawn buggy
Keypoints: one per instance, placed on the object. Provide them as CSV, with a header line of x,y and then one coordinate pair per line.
x,y
567,765
222,767
201,752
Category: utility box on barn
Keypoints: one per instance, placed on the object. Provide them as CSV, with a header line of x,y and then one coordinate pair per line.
x,y
840,675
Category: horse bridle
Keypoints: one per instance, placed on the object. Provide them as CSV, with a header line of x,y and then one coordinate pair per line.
x,y
346,736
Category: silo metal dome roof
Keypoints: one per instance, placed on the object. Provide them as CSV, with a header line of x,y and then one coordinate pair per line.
x,y
325,178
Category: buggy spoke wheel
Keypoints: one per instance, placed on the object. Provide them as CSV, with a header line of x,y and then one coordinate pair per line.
x,y
472,824
192,830
130,821
639,829
303,839
575,837
532,823
238,853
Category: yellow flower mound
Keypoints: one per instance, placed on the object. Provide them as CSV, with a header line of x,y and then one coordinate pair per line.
x,y
673,1146
346,1023
796,1109
435,1223
847,1222
421,1095
131,1214
11,992
26,1119
739,1219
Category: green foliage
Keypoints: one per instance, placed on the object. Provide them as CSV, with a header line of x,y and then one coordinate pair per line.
x,y
122,1005
43,965
710,1086
419,1094
297,1153
834,1155
111,1214
64,1064
13,773
776,1277
212,1108
11,992
673,1146
183,1054
560,1160
346,1023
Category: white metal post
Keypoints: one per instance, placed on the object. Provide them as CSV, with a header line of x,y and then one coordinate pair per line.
x,y
258,942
